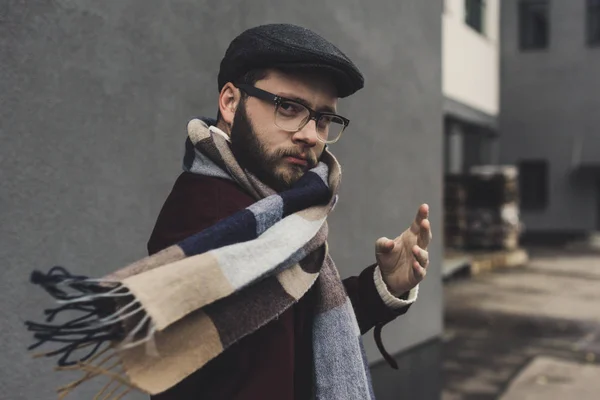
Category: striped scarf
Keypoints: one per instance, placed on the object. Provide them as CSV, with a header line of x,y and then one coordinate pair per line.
x,y
153,323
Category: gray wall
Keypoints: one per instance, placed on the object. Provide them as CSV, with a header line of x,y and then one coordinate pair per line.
x,y
548,100
95,97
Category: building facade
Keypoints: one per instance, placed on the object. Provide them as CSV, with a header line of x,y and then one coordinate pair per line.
x,y
470,59
550,120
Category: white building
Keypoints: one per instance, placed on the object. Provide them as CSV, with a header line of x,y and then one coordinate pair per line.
x,y
470,79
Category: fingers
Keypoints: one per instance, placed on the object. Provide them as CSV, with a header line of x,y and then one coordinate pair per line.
x,y
422,256
419,271
422,214
384,245
424,236
421,262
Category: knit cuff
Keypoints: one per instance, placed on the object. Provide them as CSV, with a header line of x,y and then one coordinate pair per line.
x,y
389,299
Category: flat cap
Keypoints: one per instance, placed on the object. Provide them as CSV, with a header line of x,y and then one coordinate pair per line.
x,y
291,46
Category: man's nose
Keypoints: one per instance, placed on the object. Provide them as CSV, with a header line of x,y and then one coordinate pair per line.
x,y
308,134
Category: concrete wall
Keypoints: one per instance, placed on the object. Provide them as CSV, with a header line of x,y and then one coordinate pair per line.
x,y
470,59
549,100
95,99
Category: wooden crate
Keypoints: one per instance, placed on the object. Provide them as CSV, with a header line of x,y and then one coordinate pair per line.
x,y
492,240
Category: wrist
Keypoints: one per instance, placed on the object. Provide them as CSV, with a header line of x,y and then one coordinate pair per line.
x,y
393,289
391,300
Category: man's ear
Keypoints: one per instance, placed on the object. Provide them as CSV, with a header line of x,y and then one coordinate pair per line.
x,y
229,98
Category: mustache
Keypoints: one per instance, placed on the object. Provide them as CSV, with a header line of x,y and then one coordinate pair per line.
x,y
309,156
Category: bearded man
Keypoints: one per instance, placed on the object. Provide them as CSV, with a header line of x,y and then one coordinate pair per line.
x,y
277,115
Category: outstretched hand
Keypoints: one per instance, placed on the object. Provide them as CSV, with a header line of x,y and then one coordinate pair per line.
x,y
403,261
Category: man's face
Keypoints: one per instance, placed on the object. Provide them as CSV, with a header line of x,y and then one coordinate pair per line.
x,y
277,157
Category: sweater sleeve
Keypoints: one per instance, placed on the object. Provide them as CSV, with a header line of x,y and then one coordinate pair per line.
x,y
369,306
388,298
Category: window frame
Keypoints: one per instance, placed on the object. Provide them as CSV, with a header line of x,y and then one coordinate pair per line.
x,y
592,9
482,4
540,202
522,21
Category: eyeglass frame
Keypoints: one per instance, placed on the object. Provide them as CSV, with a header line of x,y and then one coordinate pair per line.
x,y
277,100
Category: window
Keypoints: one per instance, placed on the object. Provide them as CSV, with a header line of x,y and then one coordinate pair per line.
x,y
593,22
533,184
534,24
475,14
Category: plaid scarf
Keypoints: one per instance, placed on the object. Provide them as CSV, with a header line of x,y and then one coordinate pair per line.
x,y
156,321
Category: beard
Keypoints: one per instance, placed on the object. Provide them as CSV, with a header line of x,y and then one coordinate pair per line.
x,y
269,167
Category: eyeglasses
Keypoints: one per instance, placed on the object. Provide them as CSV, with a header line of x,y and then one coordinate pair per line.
x,y
292,116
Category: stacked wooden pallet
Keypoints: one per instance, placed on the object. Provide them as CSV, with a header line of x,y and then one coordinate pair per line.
x,y
455,211
489,209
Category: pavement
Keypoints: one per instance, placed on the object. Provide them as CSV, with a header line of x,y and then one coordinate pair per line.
x,y
525,333
551,378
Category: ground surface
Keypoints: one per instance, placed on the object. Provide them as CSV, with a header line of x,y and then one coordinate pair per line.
x,y
526,333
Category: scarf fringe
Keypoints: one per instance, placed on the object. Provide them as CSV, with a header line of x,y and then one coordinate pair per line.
x,y
103,320
96,367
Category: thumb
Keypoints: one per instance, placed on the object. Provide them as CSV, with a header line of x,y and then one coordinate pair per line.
x,y
384,245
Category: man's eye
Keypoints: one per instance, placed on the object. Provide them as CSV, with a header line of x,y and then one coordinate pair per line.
x,y
325,121
290,108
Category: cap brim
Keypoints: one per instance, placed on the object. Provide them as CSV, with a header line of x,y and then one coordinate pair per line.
x,y
343,82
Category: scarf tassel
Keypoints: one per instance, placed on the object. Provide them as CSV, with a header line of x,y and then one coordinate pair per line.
x,y
101,322
109,366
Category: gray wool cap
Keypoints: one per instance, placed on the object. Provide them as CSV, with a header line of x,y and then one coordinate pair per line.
x,y
291,46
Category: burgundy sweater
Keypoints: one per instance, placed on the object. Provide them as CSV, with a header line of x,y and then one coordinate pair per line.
x,y
275,362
